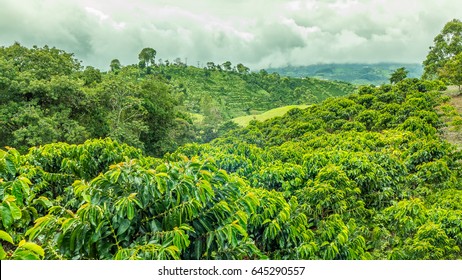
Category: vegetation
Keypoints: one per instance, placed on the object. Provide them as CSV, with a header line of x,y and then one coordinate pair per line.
x,y
277,112
223,92
362,176
452,71
451,115
447,45
46,96
399,75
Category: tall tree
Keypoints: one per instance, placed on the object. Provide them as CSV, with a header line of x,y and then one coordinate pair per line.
x,y
160,105
210,65
126,114
115,65
242,69
447,44
147,56
91,75
227,66
452,71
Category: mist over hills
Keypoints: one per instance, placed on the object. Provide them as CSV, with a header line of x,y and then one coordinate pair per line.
x,y
355,73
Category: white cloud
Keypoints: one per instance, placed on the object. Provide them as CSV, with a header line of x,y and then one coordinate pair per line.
x,y
257,33
102,16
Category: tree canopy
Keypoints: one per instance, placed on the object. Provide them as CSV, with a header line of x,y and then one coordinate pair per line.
x,y
398,75
452,71
446,45
147,57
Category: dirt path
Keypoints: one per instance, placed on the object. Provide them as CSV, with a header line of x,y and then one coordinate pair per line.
x,y
453,132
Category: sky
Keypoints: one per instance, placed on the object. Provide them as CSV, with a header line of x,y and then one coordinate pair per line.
x,y
257,33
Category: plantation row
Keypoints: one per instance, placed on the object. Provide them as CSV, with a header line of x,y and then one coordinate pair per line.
x,y
365,176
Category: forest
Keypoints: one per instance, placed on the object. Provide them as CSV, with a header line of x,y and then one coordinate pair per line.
x,y
144,162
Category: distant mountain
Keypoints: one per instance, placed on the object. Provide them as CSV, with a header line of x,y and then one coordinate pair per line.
x,y
356,73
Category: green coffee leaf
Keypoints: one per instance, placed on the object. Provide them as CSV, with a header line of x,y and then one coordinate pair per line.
x,y
34,248
6,237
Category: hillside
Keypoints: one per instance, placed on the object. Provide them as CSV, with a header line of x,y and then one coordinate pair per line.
x,y
370,173
355,73
236,93
46,96
276,112
365,176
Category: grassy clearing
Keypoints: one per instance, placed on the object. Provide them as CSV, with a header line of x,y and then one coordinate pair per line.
x,y
276,112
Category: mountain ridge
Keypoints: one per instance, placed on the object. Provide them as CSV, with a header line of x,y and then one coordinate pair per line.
x,y
355,73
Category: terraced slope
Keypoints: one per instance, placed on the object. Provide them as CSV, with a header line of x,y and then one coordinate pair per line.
x,y
237,94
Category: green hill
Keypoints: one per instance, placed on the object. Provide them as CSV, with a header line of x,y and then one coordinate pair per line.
x,y
277,112
355,73
236,94
46,96
365,176
369,172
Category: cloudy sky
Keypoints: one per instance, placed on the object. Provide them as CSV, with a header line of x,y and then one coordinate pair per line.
x,y
257,33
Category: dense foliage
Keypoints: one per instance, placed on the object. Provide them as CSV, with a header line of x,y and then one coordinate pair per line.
x,y
443,54
359,177
46,96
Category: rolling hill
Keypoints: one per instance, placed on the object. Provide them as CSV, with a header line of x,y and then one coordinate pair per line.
x,y
276,112
355,73
236,94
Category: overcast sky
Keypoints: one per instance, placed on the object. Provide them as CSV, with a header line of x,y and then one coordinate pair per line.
x,y
257,33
